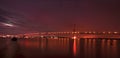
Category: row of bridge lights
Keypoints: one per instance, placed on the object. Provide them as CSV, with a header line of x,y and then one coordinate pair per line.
x,y
102,32
83,32
62,32
73,33
65,32
4,36
75,37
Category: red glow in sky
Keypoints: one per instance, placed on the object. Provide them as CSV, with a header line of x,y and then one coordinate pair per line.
x,y
60,15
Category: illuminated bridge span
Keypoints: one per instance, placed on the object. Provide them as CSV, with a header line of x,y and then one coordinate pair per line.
x,y
71,34
67,35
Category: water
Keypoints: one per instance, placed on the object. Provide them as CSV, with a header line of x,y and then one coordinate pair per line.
x,y
60,48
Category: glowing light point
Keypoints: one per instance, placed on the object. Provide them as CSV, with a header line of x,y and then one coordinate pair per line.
x,y
86,32
90,32
115,32
94,32
74,37
109,32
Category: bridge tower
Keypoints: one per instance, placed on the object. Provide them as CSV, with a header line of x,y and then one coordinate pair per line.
x,y
74,32
74,28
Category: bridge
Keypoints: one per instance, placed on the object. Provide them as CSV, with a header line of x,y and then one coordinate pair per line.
x,y
67,35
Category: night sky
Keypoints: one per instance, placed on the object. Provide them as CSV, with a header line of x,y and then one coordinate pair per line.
x,y
21,16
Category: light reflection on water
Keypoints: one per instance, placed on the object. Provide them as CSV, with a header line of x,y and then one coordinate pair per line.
x,y
60,48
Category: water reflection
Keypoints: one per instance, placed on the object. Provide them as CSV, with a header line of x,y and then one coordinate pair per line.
x,y
74,47
10,49
114,49
60,48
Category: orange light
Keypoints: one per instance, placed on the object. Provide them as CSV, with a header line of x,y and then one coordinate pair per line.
x,y
75,32
94,32
86,32
74,37
109,32
103,32
115,32
90,32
